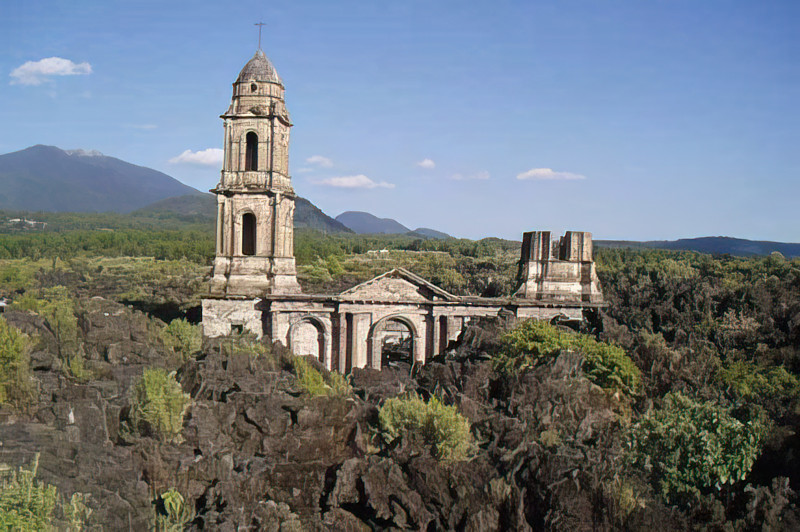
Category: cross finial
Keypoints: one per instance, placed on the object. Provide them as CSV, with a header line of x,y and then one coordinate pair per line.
x,y
259,24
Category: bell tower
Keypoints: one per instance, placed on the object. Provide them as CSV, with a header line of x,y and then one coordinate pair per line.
x,y
255,198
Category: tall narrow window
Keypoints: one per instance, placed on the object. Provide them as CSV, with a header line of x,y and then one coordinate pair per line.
x,y
251,154
249,234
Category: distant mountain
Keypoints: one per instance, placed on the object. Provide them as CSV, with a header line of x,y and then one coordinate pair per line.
x,y
366,223
712,244
430,233
306,214
46,178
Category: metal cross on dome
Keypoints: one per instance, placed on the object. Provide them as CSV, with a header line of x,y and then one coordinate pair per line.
x,y
259,24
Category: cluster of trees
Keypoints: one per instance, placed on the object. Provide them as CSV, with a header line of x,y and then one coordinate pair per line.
x,y
717,340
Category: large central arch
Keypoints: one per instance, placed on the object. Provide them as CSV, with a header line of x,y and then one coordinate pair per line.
x,y
393,338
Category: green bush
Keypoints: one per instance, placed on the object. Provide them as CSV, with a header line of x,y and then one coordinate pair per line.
x,y
182,337
690,448
25,503
16,386
534,341
751,382
158,405
172,512
244,343
315,384
439,425
58,310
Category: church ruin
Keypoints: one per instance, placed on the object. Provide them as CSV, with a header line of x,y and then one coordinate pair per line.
x,y
254,283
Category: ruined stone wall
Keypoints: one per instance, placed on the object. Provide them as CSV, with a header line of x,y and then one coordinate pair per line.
x,y
221,316
561,270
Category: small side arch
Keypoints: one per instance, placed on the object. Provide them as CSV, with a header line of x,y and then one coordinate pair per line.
x,y
307,337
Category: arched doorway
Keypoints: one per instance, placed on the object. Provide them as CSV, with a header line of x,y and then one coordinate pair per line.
x,y
248,233
251,152
307,337
391,343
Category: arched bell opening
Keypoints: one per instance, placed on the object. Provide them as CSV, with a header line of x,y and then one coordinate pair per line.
x,y
248,233
251,152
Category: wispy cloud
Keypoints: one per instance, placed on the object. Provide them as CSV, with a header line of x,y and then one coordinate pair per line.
x,y
548,174
320,161
37,72
209,157
428,164
477,176
143,126
353,181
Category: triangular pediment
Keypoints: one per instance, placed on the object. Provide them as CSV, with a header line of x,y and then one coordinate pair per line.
x,y
397,285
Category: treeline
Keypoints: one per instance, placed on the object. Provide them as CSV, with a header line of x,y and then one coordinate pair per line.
x,y
87,221
84,235
195,246
311,245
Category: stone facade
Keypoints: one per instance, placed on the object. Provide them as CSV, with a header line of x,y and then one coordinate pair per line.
x,y
254,286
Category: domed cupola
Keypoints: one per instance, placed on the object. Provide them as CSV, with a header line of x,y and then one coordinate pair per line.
x,y
259,69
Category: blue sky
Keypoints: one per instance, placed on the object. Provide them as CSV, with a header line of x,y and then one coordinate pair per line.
x,y
631,119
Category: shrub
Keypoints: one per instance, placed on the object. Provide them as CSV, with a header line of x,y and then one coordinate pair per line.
x,y
315,384
25,503
76,366
244,343
439,425
182,337
690,448
77,512
751,382
58,310
16,387
172,512
158,405
533,341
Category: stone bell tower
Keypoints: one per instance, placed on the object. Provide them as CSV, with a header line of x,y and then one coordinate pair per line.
x,y
255,199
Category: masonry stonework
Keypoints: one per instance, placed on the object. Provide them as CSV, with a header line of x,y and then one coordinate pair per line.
x,y
254,285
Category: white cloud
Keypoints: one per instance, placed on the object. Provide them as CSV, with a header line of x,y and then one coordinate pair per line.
x,y
427,164
37,72
209,157
320,160
480,176
547,174
353,181
142,126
